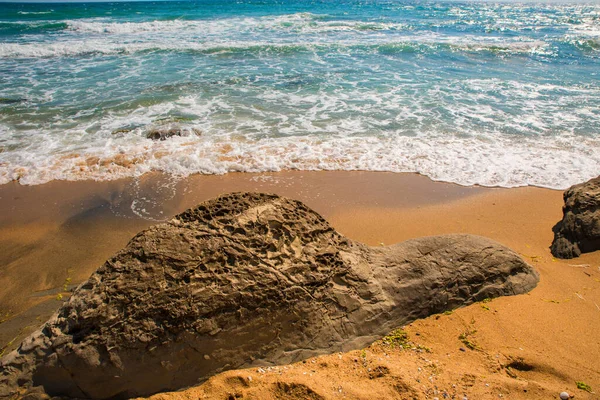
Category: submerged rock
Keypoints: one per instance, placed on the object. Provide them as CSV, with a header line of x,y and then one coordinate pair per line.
x,y
5,100
163,133
167,131
579,230
246,279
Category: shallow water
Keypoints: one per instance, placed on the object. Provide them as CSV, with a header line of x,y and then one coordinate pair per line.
x,y
498,94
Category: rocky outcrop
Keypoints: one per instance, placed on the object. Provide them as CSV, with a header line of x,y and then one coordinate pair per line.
x,y
579,230
245,279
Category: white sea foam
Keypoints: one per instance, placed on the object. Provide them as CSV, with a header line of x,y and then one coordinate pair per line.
x,y
296,23
74,47
106,36
379,131
35,12
555,162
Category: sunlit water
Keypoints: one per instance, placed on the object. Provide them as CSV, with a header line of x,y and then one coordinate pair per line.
x,y
474,93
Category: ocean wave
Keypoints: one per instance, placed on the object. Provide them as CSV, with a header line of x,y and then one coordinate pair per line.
x,y
299,23
17,27
516,19
550,162
489,19
34,12
585,44
409,44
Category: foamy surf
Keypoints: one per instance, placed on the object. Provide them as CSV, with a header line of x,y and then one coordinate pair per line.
x,y
546,162
72,48
475,93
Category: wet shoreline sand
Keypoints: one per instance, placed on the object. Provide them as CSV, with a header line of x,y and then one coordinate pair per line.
x,y
54,236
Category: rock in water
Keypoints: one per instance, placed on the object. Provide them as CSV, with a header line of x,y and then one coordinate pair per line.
x,y
579,230
245,279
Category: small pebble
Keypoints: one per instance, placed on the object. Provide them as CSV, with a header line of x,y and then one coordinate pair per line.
x,y
564,396
462,349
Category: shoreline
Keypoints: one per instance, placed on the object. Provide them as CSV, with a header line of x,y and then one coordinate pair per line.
x,y
54,236
195,175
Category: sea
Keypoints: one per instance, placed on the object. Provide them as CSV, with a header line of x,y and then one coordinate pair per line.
x,y
476,93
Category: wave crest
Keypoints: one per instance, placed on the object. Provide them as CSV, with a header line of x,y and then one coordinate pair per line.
x,y
406,44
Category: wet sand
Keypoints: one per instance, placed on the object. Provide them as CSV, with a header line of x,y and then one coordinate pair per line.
x,y
54,236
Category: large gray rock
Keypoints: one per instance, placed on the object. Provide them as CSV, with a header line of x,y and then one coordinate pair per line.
x,y
579,230
245,279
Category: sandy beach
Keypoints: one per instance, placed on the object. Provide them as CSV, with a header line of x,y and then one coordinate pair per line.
x,y
533,346
299,200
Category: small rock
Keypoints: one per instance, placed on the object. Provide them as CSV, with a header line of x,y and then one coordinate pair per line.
x,y
164,133
462,349
4,100
121,131
564,396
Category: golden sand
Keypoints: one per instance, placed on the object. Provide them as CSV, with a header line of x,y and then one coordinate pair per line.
x,y
532,346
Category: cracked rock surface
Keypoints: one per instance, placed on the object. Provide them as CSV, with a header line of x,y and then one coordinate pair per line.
x,y
242,280
579,230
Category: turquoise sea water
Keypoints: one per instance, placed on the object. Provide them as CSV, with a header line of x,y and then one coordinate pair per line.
x,y
497,94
